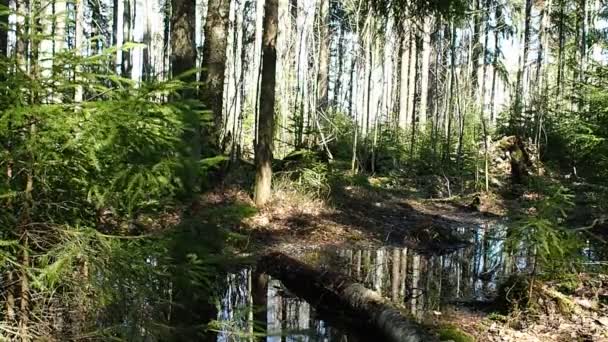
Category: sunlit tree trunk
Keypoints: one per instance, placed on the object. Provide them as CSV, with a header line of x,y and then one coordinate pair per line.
x,y
582,38
323,61
22,9
80,44
404,84
495,59
416,92
127,31
118,34
452,82
540,80
476,49
214,66
425,72
412,80
263,150
369,63
519,108
561,40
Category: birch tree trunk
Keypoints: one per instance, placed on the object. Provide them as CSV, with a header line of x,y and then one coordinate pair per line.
x,y
118,33
79,43
263,150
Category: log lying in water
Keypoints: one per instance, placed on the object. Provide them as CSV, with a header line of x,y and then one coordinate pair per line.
x,y
335,291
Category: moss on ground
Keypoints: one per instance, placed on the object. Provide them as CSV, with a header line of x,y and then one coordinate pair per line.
x,y
453,333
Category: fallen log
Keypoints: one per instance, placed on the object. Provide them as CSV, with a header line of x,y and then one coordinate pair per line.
x,y
330,290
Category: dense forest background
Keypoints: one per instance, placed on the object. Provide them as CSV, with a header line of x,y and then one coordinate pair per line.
x,y
115,114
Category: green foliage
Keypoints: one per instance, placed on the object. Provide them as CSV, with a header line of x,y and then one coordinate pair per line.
x,y
307,171
541,229
579,138
79,176
567,283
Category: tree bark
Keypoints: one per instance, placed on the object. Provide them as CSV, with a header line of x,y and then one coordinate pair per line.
x,y
424,72
214,66
183,45
516,116
263,149
404,86
323,74
3,29
331,291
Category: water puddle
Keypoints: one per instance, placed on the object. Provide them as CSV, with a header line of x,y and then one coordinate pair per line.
x,y
421,285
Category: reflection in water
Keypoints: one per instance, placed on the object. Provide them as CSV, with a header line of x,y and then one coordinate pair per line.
x,y
418,284
284,317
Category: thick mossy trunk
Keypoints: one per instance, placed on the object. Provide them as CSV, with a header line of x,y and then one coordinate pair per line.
x,y
328,290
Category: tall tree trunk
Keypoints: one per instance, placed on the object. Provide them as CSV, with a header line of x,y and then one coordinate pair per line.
x,y
368,87
183,44
118,34
127,32
412,78
214,66
183,59
404,86
3,29
582,27
475,41
351,85
22,26
323,62
500,21
517,113
263,149
397,77
416,92
561,39
424,72
449,114
340,61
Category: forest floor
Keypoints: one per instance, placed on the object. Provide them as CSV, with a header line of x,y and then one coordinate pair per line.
x,y
355,216
370,214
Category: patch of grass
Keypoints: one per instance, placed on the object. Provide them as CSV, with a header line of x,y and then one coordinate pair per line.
x,y
453,333
567,283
